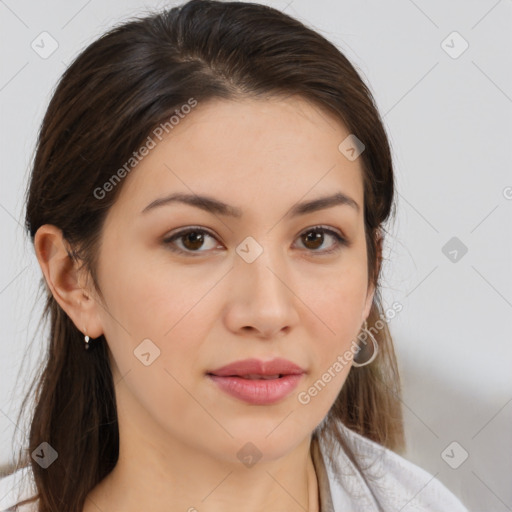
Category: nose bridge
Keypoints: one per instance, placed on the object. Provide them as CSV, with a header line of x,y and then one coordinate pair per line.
x,y
263,268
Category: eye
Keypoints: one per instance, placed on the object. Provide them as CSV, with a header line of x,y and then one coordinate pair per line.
x,y
192,239
315,237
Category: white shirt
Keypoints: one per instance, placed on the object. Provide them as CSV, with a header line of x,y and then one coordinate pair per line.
x,y
396,483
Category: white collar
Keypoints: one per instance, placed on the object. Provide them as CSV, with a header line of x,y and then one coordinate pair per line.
x,y
390,482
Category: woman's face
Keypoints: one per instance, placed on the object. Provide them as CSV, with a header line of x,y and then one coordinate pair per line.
x,y
260,284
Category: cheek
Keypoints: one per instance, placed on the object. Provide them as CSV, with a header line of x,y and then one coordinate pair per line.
x,y
341,315
337,297
162,305
168,305
146,297
331,352
338,305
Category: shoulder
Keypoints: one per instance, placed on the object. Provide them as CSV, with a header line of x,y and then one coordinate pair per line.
x,y
16,487
389,480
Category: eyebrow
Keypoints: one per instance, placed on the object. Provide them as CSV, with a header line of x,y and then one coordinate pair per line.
x,y
215,206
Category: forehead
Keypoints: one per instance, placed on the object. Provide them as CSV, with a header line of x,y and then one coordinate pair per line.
x,y
238,151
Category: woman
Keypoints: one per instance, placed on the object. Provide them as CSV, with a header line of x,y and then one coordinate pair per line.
x,y
207,205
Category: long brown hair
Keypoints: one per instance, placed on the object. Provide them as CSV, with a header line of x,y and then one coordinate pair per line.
x,y
109,99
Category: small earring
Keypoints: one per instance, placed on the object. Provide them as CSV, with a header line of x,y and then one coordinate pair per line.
x,y
362,358
86,338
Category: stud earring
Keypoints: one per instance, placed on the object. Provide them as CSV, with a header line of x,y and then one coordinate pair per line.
x,y
86,338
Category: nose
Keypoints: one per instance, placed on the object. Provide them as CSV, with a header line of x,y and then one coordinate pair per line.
x,y
262,301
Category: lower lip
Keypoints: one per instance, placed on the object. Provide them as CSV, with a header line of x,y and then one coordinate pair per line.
x,y
257,391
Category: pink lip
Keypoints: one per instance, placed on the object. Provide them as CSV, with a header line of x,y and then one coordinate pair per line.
x,y
258,391
258,367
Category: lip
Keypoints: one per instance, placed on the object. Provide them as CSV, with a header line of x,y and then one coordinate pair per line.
x,y
230,379
258,367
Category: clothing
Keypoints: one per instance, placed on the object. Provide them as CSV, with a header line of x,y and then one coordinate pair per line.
x,y
396,483
15,488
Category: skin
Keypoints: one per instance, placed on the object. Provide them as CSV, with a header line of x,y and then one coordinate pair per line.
x,y
180,434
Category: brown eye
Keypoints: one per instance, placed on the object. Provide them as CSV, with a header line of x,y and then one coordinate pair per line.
x,y
192,240
314,238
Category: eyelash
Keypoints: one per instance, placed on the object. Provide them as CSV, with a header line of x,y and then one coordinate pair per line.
x,y
340,241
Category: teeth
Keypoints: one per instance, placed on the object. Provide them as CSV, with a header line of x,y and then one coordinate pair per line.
x,y
260,377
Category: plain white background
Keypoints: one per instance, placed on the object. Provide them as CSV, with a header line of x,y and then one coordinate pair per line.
x,y
448,113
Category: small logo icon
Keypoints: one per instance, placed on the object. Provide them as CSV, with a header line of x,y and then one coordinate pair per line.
x,y
146,352
454,455
45,455
351,147
249,249
454,45
44,45
454,249
249,454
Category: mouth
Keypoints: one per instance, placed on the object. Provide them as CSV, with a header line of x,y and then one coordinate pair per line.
x,y
256,382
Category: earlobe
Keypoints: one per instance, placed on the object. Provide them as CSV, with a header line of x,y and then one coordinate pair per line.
x,y
62,276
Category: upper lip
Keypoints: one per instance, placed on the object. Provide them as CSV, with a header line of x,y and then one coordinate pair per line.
x,y
276,366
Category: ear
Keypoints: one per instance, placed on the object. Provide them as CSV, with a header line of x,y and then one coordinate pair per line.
x,y
371,288
64,279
